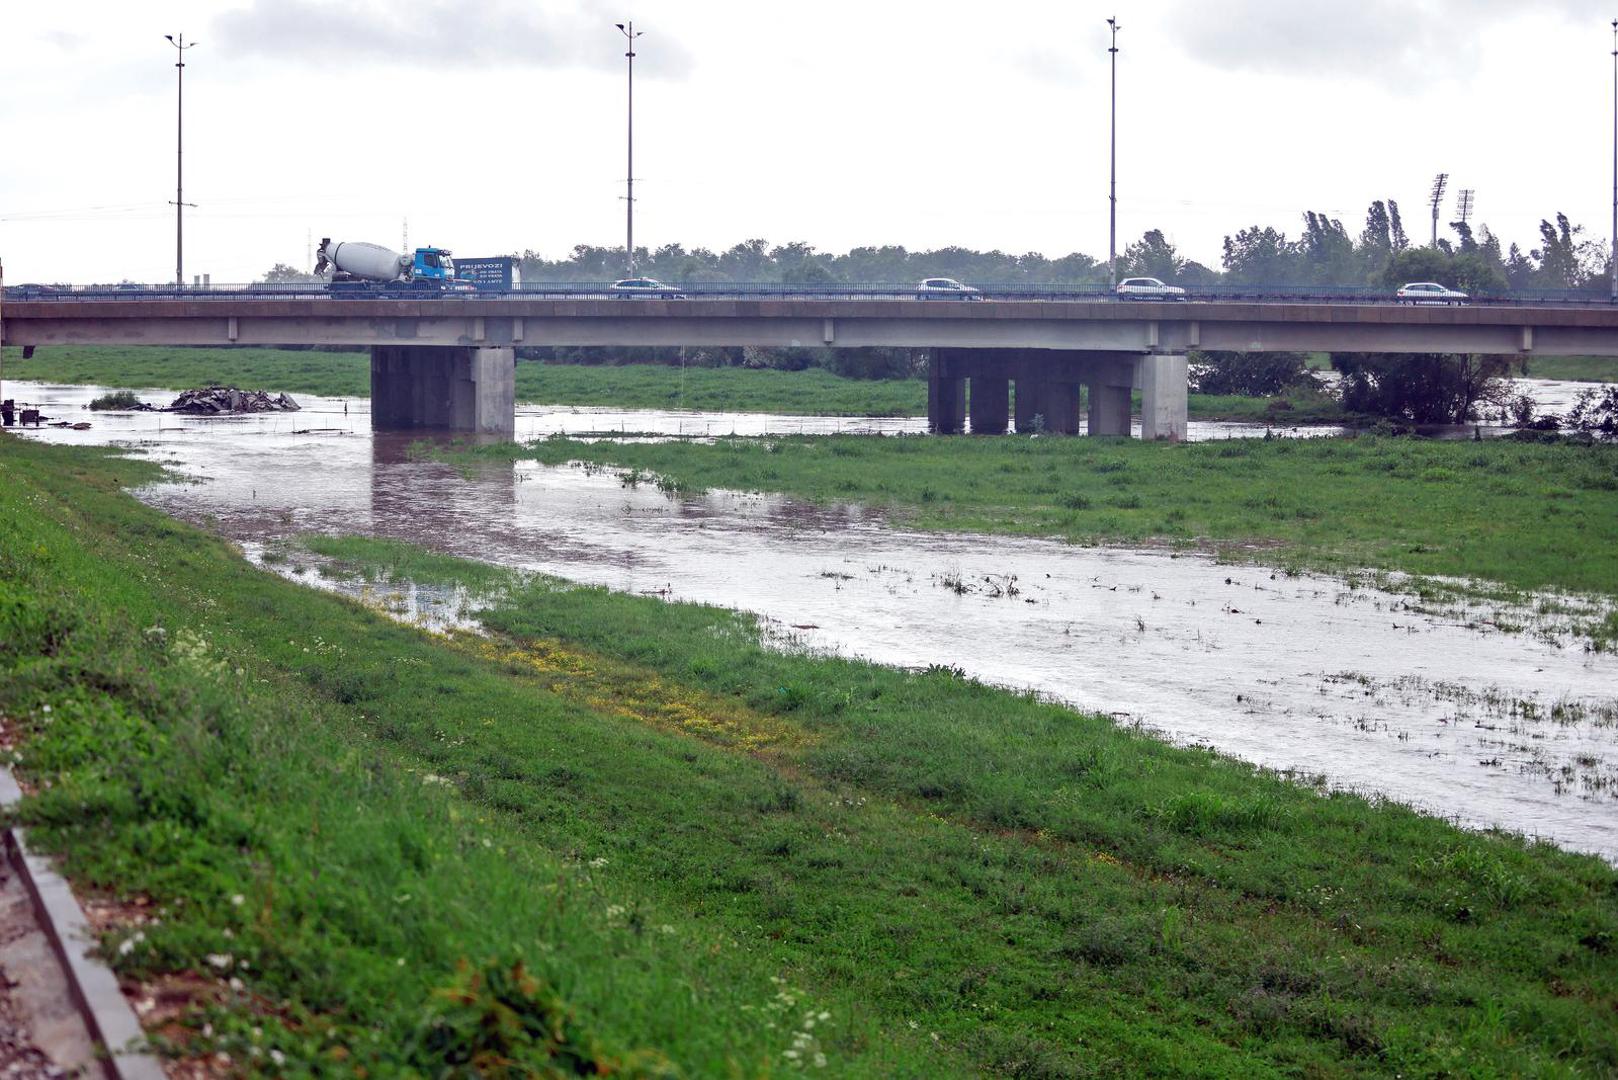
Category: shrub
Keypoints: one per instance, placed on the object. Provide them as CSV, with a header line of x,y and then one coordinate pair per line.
x,y
1253,374
118,399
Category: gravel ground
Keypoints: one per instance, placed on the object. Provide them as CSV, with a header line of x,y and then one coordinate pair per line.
x,y
41,1033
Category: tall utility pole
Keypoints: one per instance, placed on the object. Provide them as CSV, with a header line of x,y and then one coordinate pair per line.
x,y
1614,296
179,158
1112,198
1463,204
1439,183
629,180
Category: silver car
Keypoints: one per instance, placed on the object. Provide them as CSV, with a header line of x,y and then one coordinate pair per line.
x,y
1148,288
943,288
1429,292
645,288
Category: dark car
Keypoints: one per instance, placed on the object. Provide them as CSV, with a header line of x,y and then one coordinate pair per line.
x,y
34,291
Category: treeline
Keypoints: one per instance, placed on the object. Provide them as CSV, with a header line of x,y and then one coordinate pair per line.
x,y
1324,253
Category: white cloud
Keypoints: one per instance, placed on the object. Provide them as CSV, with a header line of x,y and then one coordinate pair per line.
x,y
1373,40
441,33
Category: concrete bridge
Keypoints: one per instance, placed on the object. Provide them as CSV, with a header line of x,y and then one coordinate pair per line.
x,y
448,362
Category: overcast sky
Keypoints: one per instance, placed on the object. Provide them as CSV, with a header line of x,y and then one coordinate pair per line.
x,y
496,126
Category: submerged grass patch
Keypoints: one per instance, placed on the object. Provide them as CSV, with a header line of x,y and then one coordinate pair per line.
x,y
1525,516
387,560
715,857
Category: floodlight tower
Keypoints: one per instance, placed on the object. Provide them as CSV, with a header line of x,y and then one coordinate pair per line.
x,y
1463,204
1437,199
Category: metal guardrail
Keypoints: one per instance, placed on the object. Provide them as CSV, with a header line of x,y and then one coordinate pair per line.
x,y
601,290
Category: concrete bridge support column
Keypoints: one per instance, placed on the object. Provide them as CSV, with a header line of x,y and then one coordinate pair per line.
x,y
1026,390
449,387
1109,409
990,405
1163,406
1059,404
946,395
1110,384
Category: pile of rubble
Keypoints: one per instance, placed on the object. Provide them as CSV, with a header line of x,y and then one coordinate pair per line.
x,y
211,400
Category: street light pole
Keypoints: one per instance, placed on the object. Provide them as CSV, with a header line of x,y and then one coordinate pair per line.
x,y
1614,253
179,158
1112,219
629,180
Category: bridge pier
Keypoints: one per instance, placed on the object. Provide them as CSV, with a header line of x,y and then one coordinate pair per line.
x,y
946,394
1047,384
448,387
1057,403
990,400
1163,397
1110,383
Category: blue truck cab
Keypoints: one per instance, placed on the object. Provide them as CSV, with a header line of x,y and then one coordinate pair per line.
x,y
432,264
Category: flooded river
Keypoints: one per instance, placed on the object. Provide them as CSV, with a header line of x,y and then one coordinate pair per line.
x,y
1327,678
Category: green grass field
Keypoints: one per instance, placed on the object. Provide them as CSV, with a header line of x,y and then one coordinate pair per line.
x,y
1575,368
813,392
622,834
1526,516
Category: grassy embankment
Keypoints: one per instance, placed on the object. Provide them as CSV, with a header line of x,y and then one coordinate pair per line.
x,y
326,811
814,392
1525,516
1575,368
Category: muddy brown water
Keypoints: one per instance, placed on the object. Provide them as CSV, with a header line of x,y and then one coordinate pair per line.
x,y
1323,676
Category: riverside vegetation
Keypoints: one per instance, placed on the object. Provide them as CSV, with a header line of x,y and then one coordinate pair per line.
x,y
614,834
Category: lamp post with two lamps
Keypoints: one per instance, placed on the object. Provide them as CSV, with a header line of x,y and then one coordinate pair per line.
x,y
179,159
1112,198
629,31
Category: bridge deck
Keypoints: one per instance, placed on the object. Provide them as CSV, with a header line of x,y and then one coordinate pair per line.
x,y
1046,324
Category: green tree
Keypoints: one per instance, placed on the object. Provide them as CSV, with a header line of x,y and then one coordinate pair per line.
x,y
1424,389
1260,256
281,273
1326,255
1253,374
1563,259
1153,256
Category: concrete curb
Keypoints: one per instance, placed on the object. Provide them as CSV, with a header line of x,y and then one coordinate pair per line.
x,y
94,988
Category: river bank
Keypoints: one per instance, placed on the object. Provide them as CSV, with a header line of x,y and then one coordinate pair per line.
x,y
740,852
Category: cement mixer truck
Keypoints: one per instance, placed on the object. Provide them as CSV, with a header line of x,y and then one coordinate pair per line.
x,y
372,268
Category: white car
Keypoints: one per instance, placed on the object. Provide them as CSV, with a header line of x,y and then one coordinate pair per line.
x,y
1148,288
943,288
645,287
1429,292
